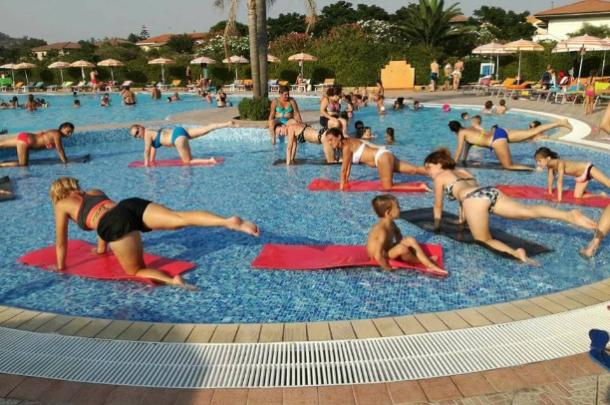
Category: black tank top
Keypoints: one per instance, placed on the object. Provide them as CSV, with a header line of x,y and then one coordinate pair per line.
x,y
90,202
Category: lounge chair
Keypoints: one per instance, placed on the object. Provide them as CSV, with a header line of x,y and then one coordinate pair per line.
x,y
602,92
513,89
175,84
499,89
273,85
300,88
18,86
235,85
126,83
5,83
328,82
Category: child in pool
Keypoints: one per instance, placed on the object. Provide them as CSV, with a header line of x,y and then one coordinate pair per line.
x,y
367,134
488,107
385,240
501,109
582,171
389,136
465,116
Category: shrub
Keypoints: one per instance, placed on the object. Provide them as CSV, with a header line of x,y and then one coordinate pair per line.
x,y
254,109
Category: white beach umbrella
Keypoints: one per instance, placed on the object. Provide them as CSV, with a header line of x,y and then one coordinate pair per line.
x,y
302,57
236,60
25,66
111,63
61,66
82,64
492,49
203,60
581,44
272,59
162,62
523,46
10,66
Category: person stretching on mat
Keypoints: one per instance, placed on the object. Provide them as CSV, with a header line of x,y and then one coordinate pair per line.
x,y
24,141
603,227
119,225
497,140
385,241
356,151
178,137
583,172
301,133
476,203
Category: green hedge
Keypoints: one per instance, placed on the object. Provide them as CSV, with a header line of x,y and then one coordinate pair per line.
x,y
254,109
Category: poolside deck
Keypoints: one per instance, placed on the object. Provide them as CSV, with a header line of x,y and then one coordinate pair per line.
x,y
569,380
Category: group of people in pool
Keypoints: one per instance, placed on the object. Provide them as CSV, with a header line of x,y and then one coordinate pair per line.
x,y
119,225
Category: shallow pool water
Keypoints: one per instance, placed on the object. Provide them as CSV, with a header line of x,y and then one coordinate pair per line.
x,y
90,113
277,199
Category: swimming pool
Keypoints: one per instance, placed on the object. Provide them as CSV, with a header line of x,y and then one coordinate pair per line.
x,y
277,199
90,113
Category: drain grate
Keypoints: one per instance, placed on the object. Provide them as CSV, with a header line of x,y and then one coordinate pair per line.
x,y
291,364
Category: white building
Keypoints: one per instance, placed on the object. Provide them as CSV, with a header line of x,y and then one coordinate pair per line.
x,y
558,22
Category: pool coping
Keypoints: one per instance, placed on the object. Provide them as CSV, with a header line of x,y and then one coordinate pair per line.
x,y
579,297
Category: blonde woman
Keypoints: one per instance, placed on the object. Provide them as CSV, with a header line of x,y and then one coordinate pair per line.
x,y
119,225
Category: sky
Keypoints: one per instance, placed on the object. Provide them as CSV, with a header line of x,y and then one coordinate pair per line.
x,y
73,20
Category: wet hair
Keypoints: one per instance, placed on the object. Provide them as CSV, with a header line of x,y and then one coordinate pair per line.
x,y
30,97
400,100
76,102
358,123
502,103
283,89
488,104
333,91
465,115
66,125
455,126
441,156
383,203
535,124
477,117
62,187
389,131
545,153
334,132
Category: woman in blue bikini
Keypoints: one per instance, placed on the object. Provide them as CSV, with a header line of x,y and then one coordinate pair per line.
x,y
497,140
282,109
174,137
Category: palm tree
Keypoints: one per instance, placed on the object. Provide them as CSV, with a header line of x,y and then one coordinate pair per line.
x,y
430,23
257,32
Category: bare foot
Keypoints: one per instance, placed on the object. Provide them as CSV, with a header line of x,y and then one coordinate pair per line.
x,y
591,249
212,160
565,123
522,255
579,219
235,223
178,281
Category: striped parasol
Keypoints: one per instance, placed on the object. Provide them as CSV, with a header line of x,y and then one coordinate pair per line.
x,y
523,45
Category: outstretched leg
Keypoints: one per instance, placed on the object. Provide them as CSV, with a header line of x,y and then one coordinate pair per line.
x,y
508,208
201,131
600,233
157,216
409,251
477,216
520,135
130,254
502,151
600,176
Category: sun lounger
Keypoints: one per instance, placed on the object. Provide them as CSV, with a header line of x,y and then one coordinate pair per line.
x,y
602,92
499,88
5,83
328,82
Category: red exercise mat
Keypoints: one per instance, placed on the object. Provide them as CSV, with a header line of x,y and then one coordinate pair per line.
x,y
304,257
365,185
82,261
540,193
174,163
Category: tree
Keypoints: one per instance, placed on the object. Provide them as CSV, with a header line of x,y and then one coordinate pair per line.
x,y
180,43
366,12
285,24
240,29
601,31
504,25
429,23
144,33
133,38
336,14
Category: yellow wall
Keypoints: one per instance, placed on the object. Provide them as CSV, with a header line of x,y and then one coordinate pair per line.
x,y
398,74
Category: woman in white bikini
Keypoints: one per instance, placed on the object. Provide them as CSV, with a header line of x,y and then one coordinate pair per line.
x,y
583,172
357,151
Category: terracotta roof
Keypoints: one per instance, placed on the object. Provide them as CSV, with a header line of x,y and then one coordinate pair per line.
x,y
459,19
581,7
164,38
57,46
112,42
